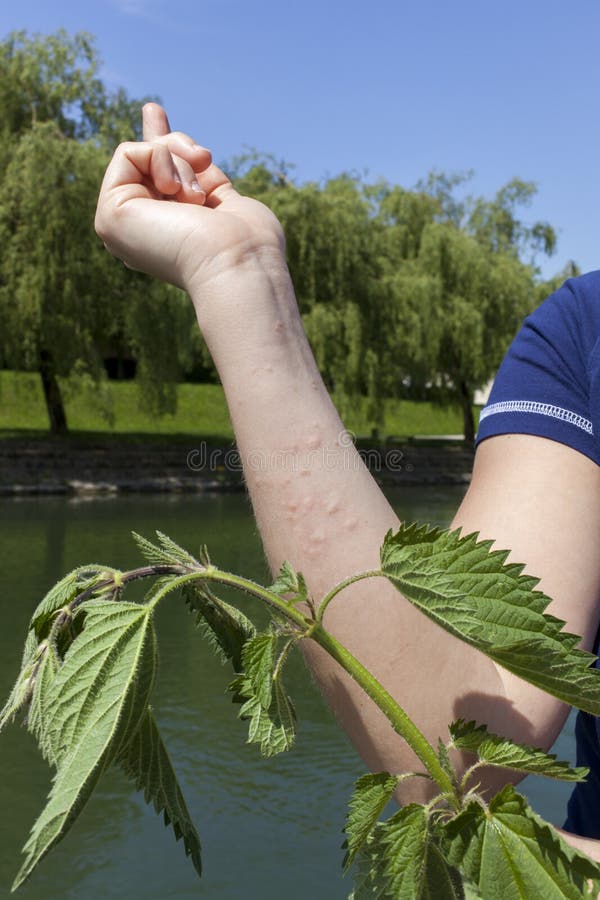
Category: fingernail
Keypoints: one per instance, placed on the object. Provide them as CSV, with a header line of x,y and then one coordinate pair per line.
x,y
196,188
176,178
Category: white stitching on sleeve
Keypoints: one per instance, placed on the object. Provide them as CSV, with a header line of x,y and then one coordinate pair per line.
x,y
542,409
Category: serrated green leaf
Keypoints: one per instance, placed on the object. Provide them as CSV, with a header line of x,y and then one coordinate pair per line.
x,y
495,750
445,762
30,647
146,760
274,728
290,585
226,628
20,696
150,551
95,702
509,853
470,591
166,552
104,652
185,558
258,661
63,592
371,795
47,666
406,862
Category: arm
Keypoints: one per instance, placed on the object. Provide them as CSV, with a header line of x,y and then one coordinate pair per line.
x,y
314,501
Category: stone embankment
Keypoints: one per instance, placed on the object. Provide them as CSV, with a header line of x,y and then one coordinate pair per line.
x,y
33,466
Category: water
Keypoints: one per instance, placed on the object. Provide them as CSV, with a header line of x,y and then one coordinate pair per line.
x,y
269,828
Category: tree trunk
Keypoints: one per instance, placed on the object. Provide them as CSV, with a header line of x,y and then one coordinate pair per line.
x,y
466,402
52,395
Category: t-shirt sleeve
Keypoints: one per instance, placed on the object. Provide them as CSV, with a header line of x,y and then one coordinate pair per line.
x,y
548,384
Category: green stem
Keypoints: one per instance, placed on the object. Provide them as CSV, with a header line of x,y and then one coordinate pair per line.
x,y
340,587
400,722
262,593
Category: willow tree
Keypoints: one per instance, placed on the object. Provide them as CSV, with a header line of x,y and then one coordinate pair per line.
x,y
459,279
63,300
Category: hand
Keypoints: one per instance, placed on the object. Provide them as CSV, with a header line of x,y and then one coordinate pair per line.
x,y
152,217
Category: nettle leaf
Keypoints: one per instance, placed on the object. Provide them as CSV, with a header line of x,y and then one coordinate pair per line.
x,y
470,591
20,696
165,552
48,664
371,795
258,660
64,591
93,705
265,702
509,853
495,750
30,647
226,628
290,585
445,761
274,729
146,760
406,862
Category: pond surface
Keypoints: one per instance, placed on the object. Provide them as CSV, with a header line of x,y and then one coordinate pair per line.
x,y
269,828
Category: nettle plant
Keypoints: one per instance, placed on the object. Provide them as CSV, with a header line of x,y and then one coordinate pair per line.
x,y
89,666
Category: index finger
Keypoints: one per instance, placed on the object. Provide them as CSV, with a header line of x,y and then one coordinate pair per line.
x,y
155,122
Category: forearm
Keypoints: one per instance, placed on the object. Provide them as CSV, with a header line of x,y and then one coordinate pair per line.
x,y
589,846
317,506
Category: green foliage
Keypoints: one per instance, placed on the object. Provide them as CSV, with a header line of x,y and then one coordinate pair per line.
x,y
372,793
94,701
405,861
290,584
64,302
224,626
89,665
145,759
64,592
494,750
89,708
470,590
509,853
265,703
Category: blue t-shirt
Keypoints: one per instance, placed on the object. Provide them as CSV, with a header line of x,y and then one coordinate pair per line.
x,y
549,385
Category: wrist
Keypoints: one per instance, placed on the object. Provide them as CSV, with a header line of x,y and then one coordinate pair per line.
x,y
250,309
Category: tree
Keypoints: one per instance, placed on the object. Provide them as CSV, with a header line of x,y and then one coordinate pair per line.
x,y
63,300
459,287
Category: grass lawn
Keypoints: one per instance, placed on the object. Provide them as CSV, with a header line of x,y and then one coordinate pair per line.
x,y
201,410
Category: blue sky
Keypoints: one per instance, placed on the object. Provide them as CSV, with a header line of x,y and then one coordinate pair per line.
x,y
386,89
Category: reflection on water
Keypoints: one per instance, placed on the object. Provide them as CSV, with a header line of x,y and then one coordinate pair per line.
x,y
269,828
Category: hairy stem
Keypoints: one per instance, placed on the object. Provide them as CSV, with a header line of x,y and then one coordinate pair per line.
x,y
340,587
399,720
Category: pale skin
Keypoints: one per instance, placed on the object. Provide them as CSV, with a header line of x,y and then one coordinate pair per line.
x,y
326,514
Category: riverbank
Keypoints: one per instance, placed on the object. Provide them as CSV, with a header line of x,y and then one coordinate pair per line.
x,y
188,464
